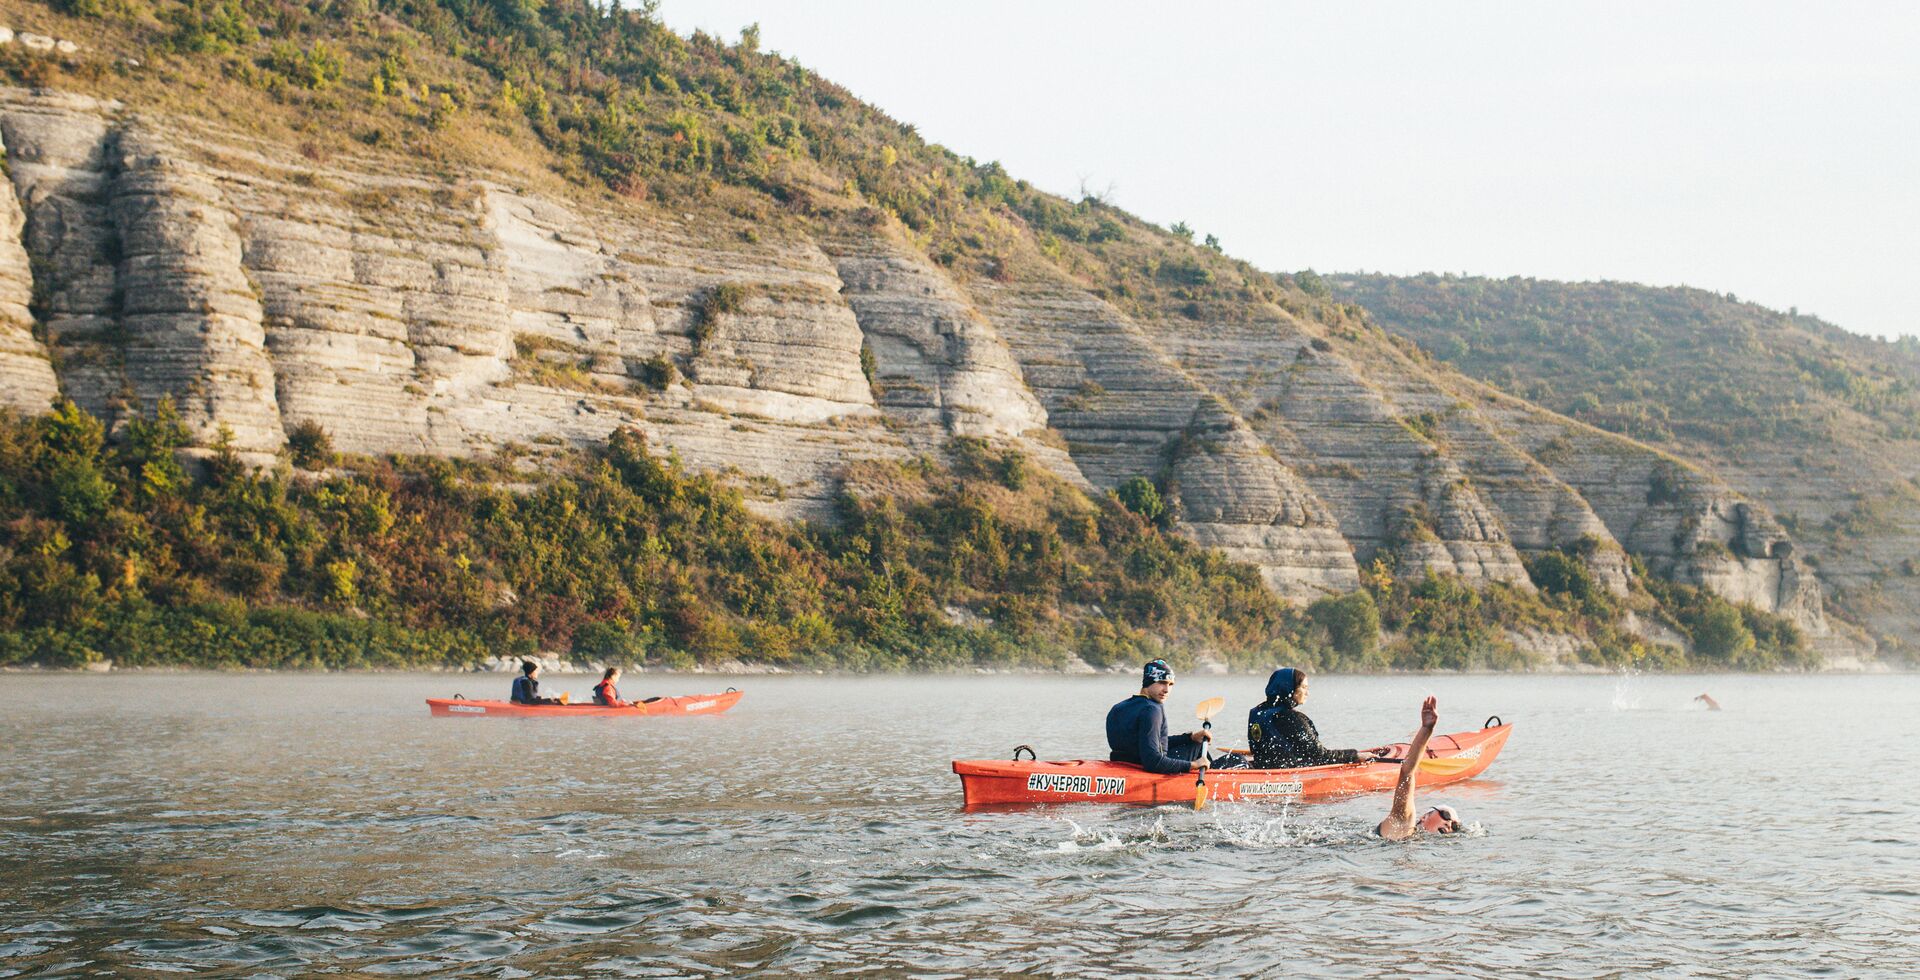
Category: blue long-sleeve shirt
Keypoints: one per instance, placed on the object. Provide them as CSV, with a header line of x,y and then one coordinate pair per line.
x,y
1137,733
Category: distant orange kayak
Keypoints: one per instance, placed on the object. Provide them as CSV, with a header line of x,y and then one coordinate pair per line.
x,y
692,704
987,782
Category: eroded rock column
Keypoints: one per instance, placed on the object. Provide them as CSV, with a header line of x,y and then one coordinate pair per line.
x,y
191,319
27,381
57,155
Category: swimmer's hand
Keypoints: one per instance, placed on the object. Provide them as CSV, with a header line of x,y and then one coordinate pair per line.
x,y
1429,713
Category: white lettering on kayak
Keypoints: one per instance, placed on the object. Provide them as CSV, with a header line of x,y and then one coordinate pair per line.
x,y
700,705
467,709
1291,788
1056,782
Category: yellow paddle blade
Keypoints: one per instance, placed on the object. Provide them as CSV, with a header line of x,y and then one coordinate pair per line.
x,y
1200,795
1208,708
1447,767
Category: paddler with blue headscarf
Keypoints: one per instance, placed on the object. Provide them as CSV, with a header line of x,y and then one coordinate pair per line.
x,y
1282,737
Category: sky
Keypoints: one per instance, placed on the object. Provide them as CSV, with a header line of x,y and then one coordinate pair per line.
x,y
1770,150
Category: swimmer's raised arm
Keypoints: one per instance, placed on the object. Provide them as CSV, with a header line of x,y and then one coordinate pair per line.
x,y
1399,822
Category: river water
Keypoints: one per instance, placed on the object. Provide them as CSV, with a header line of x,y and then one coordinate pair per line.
x,y
283,825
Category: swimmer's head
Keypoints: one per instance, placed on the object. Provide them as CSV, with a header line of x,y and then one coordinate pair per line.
x,y
1441,820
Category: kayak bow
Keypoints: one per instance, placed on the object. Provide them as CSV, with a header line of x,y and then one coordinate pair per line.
x,y
987,782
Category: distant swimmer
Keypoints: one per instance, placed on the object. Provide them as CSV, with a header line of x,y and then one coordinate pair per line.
x,y
526,687
1711,704
606,693
1400,823
1137,728
1285,738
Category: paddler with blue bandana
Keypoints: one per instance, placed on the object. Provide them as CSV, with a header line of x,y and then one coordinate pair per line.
x,y
1137,728
1283,737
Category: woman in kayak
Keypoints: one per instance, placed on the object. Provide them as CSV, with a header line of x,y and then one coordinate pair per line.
x,y
1284,738
526,687
1400,823
606,694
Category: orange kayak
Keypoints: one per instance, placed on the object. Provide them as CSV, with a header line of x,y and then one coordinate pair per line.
x,y
692,704
988,782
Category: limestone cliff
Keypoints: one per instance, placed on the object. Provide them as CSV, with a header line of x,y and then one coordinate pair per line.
x,y
412,310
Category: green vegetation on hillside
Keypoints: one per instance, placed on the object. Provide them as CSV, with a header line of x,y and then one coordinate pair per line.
x,y
112,550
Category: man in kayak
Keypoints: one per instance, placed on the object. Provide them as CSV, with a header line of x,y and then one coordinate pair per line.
x,y
526,687
1137,728
606,694
1400,823
1284,738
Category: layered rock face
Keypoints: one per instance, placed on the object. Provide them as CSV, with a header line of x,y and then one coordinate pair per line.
x,y
189,316
1128,410
937,362
1681,522
1235,496
57,159
401,312
26,375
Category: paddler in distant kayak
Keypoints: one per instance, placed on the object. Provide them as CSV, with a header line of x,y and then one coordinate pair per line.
x,y
1283,737
1137,728
1400,823
606,694
526,687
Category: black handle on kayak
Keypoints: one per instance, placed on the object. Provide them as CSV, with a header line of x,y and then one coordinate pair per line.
x,y
1492,720
730,690
1028,749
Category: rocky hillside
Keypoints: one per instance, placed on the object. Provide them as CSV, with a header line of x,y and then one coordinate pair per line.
x,y
1820,425
734,257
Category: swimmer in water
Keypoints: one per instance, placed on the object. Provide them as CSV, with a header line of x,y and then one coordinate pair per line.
x,y
1712,705
1400,823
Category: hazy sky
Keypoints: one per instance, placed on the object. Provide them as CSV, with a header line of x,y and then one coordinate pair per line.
x,y
1766,149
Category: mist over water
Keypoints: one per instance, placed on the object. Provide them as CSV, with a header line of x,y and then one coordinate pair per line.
x,y
259,825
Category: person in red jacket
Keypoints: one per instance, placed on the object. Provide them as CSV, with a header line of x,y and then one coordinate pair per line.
x,y
605,693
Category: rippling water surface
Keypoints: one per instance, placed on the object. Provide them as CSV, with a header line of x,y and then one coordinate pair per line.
x,y
285,825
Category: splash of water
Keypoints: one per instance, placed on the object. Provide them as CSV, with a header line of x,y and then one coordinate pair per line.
x,y
1257,828
1082,840
1626,691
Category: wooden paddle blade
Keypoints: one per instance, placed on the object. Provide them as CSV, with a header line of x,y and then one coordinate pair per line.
x,y
1208,708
